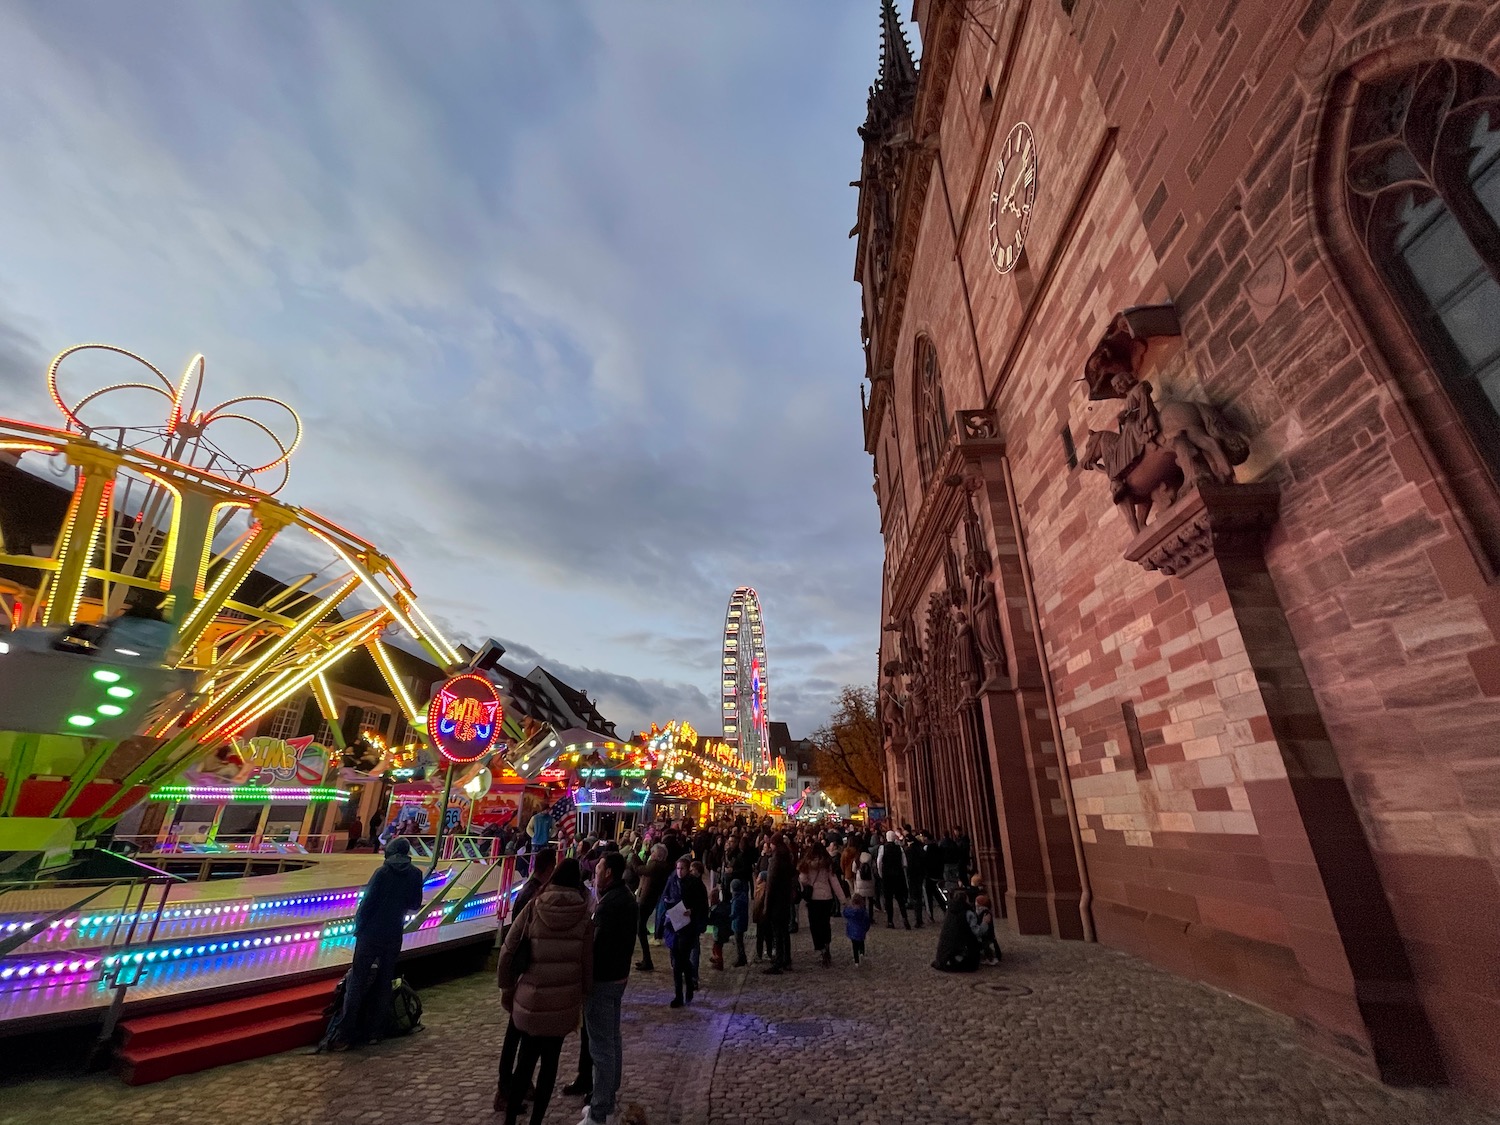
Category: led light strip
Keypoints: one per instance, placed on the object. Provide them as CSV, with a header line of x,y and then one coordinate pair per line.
x,y
280,794
210,910
85,961
168,553
93,543
393,679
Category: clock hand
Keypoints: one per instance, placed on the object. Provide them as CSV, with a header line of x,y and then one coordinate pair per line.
x,y
1021,179
1009,203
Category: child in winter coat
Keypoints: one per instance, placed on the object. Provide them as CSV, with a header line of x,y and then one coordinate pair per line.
x,y
718,922
759,916
857,924
863,881
739,917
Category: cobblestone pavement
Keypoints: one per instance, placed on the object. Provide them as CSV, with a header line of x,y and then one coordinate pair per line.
x,y
1062,1032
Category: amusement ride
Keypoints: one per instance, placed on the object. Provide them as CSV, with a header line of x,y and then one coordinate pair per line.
x,y
143,641
143,638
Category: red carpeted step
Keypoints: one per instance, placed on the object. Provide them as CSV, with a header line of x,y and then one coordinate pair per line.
x,y
139,1066
147,1032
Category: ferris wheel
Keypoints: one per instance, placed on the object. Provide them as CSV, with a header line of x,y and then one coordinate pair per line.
x,y
747,723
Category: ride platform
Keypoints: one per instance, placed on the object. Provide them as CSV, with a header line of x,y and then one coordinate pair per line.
x,y
176,944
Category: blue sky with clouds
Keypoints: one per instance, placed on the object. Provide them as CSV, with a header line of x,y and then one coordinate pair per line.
x,y
561,289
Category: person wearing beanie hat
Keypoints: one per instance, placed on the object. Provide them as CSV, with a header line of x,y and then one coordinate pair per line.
x,y
393,891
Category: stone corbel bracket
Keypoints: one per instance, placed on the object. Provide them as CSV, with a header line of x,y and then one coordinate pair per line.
x,y
1124,343
1212,523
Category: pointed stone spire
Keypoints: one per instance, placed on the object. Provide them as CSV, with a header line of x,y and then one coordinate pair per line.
x,y
896,65
896,84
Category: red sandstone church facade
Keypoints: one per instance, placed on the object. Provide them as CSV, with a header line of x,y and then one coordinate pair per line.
x,y
1242,259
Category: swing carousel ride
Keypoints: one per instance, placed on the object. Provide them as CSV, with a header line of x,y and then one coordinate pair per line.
x,y
144,640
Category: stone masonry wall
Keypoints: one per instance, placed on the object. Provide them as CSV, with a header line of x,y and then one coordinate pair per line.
x,y
1204,195
1395,620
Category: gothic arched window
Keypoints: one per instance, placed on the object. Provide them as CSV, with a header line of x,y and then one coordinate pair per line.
x,y
932,424
1422,183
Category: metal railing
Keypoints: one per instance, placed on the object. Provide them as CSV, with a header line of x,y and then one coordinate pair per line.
x,y
247,844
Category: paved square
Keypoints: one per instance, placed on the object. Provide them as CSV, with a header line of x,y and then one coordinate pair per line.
x,y
1062,1032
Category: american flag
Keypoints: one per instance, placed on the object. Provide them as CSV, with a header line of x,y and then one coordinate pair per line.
x,y
565,816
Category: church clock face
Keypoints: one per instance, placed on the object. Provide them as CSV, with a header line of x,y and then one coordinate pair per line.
x,y
1012,197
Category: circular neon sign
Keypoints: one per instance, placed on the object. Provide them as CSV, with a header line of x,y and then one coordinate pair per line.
x,y
463,719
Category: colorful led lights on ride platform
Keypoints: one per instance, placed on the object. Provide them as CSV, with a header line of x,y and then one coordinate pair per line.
x,y
76,962
282,794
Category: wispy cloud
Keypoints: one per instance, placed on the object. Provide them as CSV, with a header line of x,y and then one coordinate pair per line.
x,y
561,289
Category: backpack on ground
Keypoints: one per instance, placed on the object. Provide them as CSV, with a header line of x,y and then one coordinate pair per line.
x,y
406,1008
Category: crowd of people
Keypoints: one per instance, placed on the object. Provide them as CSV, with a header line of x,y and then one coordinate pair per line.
x,y
574,926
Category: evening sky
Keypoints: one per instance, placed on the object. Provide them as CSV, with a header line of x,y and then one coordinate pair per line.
x,y
562,290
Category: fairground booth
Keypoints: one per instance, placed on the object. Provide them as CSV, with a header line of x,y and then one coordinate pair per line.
x,y
668,773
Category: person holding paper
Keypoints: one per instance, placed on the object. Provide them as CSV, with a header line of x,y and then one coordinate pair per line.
x,y
686,900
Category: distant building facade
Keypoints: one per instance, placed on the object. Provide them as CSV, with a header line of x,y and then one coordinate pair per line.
x,y
1230,701
801,772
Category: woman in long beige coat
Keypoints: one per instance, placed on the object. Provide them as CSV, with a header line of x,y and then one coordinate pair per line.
x,y
546,1000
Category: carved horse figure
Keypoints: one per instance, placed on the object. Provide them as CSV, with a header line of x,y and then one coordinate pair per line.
x,y
1194,444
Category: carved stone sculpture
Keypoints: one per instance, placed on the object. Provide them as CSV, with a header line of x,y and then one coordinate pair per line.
x,y
966,653
978,424
984,609
916,687
1160,447
987,631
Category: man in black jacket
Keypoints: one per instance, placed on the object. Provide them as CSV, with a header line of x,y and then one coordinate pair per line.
x,y
394,889
891,862
916,875
952,856
781,896
614,941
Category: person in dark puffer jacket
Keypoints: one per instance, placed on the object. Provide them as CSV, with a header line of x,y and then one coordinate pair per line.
x,y
546,1000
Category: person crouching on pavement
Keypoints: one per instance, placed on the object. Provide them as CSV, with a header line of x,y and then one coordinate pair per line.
x,y
984,922
857,925
958,941
394,889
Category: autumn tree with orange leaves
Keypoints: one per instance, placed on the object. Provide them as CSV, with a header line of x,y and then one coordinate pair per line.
x,y
847,751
